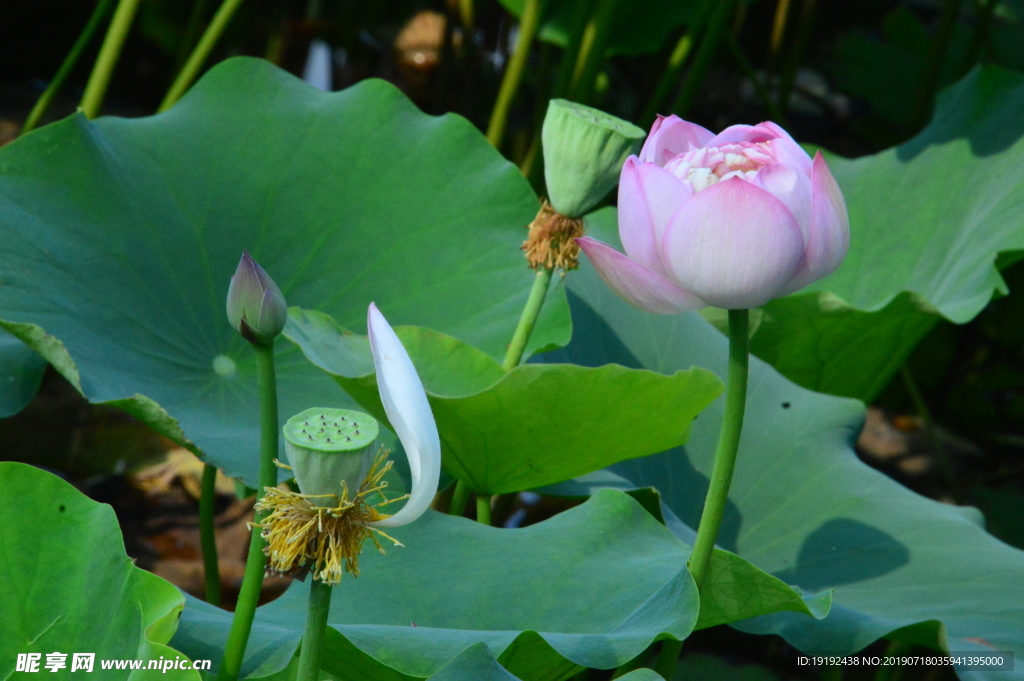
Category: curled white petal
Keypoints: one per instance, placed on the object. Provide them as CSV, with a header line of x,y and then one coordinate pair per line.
x,y
405,402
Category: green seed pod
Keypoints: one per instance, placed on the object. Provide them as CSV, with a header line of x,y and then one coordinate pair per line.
x,y
584,150
328,447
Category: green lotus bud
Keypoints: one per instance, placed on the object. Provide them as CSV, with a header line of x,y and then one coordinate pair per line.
x,y
256,307
584,150
330,450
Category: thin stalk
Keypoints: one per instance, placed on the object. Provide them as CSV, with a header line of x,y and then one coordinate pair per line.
x,y
191,34
483,509
669,76
207,534
316,626
779,27
980,38
936,58
466,14
110,52
45,99
528,319
945,463
256,562
706,55
528,24
593,51
804,28
190,71
459,499
581,12
721,473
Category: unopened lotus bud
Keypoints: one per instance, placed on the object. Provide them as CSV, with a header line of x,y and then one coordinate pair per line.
x,y
256,307
330,452
584,150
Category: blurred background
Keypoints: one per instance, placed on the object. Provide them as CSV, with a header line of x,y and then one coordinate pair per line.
x,y
850,76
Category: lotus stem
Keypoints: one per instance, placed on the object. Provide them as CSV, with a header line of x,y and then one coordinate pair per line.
x,y
592,52
313,636
721,473
528,24
190,71
483,509
528,319
804,26
45,99
459,498
252,580
669,76
706,55
103,69
207,534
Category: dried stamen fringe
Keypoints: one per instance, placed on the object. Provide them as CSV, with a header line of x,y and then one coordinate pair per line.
x,y
552,239
298,532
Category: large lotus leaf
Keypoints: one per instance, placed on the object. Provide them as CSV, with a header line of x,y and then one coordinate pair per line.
x,y
928,221
804,508
21,370
638,27
536,425
476,663
68,587
591,587
120,237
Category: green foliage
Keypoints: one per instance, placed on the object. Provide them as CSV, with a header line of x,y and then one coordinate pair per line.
x,y
67,585
804,508
592,587
21,370
538,424
123,243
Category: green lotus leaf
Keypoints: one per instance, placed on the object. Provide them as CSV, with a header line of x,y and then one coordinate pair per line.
x,y
68,587
536,425
21,371
120,238
591,587
931,223
805,509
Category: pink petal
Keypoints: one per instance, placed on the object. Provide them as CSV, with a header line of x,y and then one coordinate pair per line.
x,y
671,136
648,196
792,187
637,284
762,132
829,235
734,245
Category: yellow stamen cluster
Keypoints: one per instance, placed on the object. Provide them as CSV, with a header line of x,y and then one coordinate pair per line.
x,y
329,540
552,239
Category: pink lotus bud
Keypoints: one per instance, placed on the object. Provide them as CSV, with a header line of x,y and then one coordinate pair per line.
x,y
256,307
731,220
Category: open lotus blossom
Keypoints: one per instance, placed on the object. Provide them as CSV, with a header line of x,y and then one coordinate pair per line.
x,y
340,477
730,220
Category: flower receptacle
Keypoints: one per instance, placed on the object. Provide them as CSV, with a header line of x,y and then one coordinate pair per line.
x,y
584,149
330,452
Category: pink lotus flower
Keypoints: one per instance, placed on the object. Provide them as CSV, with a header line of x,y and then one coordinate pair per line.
x,y
731,220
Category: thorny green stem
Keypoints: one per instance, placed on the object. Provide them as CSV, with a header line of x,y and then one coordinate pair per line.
x,y
528,23
721,473
207,534
110,52
706,54
43,103
195,62
313,636
256,562
483,509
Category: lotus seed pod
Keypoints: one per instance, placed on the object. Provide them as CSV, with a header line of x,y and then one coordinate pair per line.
x,y
584,150
330,450
256,307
